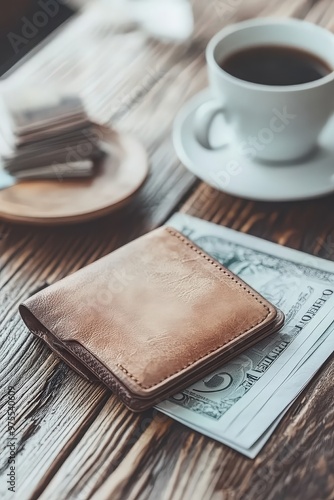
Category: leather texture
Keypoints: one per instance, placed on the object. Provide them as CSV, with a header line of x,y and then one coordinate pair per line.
x,y
150,318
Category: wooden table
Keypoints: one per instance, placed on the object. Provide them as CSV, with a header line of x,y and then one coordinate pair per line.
x,y
75,440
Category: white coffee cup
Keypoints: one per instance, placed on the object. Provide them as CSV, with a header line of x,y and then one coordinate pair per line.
x,y
275,123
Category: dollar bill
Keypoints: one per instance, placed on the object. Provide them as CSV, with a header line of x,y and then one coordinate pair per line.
x,y
268,410
256,436
299,284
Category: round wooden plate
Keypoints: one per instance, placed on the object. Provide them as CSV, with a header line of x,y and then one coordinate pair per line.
x,y
119,175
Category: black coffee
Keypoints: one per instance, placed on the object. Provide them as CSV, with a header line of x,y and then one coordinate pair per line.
x,y
275,65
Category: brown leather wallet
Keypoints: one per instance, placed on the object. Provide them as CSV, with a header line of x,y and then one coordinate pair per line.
x,y
151,318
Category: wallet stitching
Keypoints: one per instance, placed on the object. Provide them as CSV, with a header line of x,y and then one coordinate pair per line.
x,y
215,264
206,257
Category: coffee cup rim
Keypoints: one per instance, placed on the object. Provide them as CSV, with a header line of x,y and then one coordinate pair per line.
x,y
265,21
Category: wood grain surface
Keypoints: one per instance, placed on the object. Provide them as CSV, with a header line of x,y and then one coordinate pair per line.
x,y
75,440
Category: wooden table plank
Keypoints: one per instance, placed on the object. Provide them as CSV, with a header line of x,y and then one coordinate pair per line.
x,y
75,439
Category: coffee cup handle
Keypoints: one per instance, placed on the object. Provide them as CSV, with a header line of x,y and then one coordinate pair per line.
x,y
204,117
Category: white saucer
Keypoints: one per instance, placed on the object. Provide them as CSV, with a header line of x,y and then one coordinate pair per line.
x,y
236,174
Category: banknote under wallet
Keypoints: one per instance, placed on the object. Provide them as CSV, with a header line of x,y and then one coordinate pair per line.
x,y
151,318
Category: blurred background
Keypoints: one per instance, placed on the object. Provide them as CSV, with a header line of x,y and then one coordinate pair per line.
x,y
113,47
